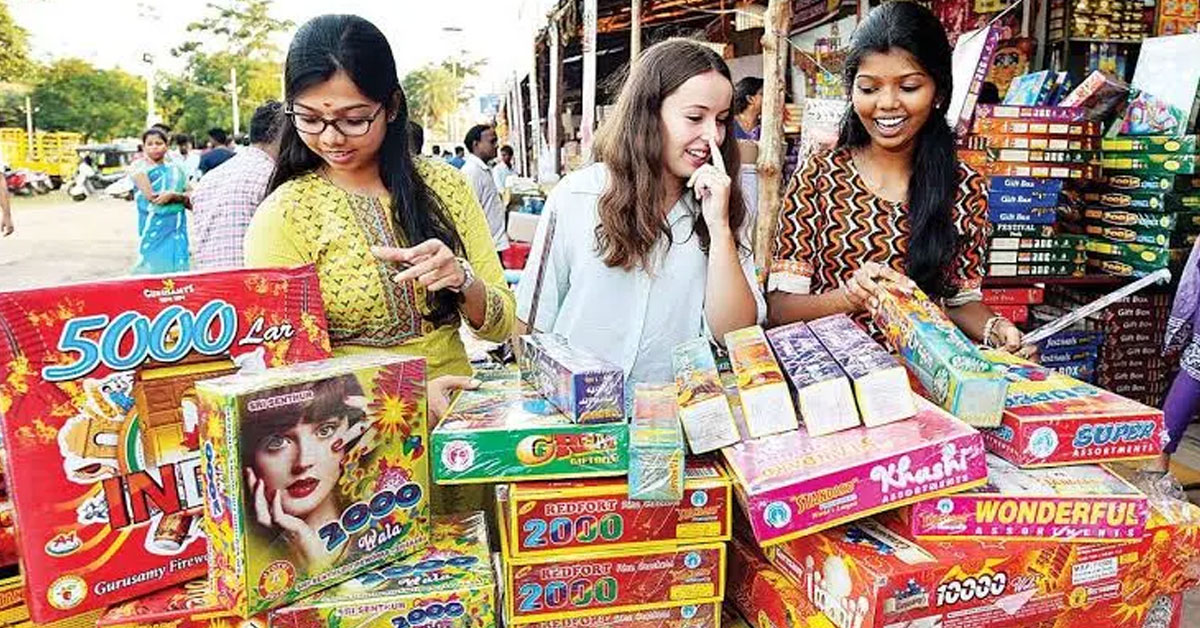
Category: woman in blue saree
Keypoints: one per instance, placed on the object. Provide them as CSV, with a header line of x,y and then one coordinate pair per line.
x,y
162,217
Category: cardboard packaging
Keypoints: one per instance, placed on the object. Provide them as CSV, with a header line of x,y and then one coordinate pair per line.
x,y
1013,296
1130,219
103,451
450,584
794,484
677,616
568,518
1099,94
1136,201
192,604
1049,256
505,431
522,227
1145,236
584,387
1037,156
881,385
1151,163
1073,339
1047,187
1082,370
1045,171
1003,230
766,401
1016,314
1030,114
1053,420
541,589
1021,200
1040,142
1150,144
764,595
870,574
1075,504
703,408
948,365
1138,181
1036,270
1146,257
363,499
1030,215
821,388
655,445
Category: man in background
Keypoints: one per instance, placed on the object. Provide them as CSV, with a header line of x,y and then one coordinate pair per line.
x,y
437,151
187,157
218,151
481,139
503,168
226,199
459,157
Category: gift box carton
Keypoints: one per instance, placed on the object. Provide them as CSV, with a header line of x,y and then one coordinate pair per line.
x,y
821,387
766,403
881,386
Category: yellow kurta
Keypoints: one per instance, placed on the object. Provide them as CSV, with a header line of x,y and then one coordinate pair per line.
x,y
311,221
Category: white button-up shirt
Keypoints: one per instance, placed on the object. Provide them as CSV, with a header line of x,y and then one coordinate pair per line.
x,y
631,318
480,177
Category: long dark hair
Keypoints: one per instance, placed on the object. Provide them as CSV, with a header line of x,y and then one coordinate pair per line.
x,y
630,145
933,238
348,43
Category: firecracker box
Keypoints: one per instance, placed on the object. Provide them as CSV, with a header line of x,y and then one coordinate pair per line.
x,y
1136,201
1082,370
1144,299
99,411
1052,420
656,447
704,410
1018,201
548,588
1099,94
677,616
1046,256
1074,504
1031,89
1072,339
449,583
1112,378
1023,230
1049,187
505,431
1042,170
313,474
1058,242
881,387
1118,354
946,362
1151,163
1037,156
1163,611
998,126
1145,236
821,388
1013,296
584,387
1031,215
1137,181
871,573
1139,389
793,484
1039,142
1119,269
571,517
192,604
763,595
1147,257
1063,356
1148,363
1016,314
1150,144
1029,114
14,612
1137,221
766,402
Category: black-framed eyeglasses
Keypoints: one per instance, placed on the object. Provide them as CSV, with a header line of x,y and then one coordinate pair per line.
x,y
310,124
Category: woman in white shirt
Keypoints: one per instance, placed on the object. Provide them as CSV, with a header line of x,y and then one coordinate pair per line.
x,y
648,248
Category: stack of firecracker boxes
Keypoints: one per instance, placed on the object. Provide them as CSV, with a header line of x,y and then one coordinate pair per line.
x,y
1029,154
809,477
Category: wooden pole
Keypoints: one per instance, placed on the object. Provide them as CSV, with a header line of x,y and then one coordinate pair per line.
x,y
635,31
587,124
554,115
522,153
535,118
770,153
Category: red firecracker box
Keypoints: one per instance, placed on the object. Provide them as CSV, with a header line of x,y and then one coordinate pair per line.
x,y
1013,296
192,604
764,596
1051,419
100,423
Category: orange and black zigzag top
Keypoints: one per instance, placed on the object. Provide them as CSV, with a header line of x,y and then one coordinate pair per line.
x,y
831,224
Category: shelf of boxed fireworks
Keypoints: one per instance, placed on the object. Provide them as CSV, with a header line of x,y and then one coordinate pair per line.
x,y
1087,35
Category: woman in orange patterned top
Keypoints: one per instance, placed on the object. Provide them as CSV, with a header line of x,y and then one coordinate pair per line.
x,y
891,201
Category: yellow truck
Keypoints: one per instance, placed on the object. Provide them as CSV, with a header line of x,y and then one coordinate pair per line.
x,y
52,153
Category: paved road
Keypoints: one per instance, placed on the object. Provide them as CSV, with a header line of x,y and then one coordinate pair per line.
x,y
58,240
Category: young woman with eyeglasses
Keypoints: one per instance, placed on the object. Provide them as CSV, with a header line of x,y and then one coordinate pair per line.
x,y
401,246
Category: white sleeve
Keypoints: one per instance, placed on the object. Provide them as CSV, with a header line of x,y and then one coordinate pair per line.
x,y
552,264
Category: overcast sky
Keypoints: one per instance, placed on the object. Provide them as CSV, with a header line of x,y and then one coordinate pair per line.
x,y
118,32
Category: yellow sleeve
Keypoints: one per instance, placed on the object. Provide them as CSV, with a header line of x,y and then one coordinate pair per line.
x,y
271,239
464,209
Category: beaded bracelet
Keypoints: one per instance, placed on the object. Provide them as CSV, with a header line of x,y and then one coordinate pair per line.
x,y
989,330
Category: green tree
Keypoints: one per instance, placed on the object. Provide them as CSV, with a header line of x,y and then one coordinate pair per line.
x,y
237,34
437,90
15,65
102,104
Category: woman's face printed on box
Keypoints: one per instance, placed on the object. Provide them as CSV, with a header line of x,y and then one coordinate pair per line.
x,y
303,463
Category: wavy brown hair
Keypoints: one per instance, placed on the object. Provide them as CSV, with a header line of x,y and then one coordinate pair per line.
x,y
630,145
